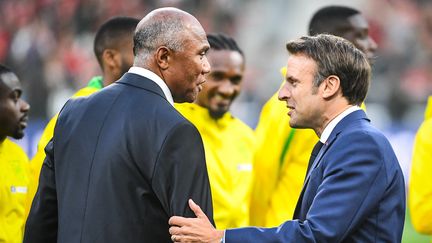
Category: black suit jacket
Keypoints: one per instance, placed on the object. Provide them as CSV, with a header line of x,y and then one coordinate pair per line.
x,y
121,162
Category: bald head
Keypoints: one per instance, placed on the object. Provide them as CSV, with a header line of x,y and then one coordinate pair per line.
x,y
172,44
162,27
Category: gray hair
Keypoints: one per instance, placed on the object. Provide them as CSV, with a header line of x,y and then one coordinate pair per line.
x,y
155,32
336,56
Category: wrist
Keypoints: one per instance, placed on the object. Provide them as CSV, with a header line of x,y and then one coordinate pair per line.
x,y
218,236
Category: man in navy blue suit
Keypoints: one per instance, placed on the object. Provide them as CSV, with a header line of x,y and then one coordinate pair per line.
x,y
354,188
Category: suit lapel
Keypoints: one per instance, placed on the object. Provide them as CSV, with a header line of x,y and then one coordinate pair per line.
x,y
343,124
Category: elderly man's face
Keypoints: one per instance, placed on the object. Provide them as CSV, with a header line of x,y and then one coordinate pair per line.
x,y
189,66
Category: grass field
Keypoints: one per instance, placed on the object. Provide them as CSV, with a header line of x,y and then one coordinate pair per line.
x,y
410,235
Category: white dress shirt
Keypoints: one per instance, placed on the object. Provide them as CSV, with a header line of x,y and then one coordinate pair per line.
x,y
332,124
155,78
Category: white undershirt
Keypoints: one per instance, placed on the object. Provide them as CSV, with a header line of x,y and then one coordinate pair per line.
x,y
155,78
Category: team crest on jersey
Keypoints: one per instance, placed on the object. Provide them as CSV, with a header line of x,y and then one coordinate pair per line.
x,y
18,189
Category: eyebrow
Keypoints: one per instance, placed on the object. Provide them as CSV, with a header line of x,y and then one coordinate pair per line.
x,y
291,78
18,91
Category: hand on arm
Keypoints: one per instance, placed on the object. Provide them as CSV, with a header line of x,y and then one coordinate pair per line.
x,y
197,229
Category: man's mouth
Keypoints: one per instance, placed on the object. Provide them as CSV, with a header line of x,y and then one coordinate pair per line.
x,y
200,87
290,110
222,101
23,122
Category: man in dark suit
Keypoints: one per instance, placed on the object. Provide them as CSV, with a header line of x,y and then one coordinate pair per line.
x,y
123,160
354,188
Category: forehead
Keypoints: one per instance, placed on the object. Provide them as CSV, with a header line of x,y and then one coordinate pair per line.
x,y
9,82
195,37
300,65
225,58
358,22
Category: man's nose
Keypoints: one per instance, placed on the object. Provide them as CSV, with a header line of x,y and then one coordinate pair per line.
x,y
206,65
284,92
226,88
25,107
372,45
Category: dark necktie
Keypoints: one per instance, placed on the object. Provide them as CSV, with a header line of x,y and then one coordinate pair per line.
x,y
312,158
314,154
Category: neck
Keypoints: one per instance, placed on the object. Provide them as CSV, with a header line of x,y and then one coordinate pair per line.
x,y
107,79
332,111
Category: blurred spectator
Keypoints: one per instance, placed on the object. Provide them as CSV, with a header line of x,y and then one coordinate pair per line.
x,y
14,167
420,186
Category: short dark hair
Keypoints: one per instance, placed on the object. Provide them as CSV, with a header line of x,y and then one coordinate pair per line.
x,y
219,41
330,20
4,69
112,32
336,56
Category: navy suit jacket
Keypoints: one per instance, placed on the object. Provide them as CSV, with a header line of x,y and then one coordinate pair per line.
x,y
355,192
121,163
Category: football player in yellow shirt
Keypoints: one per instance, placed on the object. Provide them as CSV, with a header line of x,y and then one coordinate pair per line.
x,y
420,184
228,142
14,166
113,46
283,152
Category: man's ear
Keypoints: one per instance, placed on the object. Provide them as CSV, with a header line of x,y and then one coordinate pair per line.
x,y
163,57
109,58
331,86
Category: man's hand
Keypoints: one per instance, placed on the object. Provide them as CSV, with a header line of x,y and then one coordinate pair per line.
x,y
197,229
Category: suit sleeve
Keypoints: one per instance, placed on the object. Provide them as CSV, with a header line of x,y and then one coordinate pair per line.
x,y
181,173
41,225
354,181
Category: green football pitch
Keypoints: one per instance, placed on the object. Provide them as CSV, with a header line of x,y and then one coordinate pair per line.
x,y
410,235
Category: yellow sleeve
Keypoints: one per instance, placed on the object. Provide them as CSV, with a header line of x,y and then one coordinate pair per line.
x,y
420,185
37,160
14,173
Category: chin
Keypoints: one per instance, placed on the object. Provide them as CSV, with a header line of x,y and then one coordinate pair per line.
x,y
293,124
217,114
18,135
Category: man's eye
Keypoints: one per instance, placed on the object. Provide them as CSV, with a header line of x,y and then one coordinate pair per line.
x,y
15,96
236,80
217,76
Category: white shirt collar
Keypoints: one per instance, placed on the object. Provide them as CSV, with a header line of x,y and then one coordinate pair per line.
x,y
155,78
332,124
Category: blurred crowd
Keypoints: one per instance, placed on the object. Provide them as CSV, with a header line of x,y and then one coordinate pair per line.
x,y
49,44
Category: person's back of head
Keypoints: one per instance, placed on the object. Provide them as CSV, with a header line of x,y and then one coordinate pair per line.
x,y
172,44
113,46
13,110
336,56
